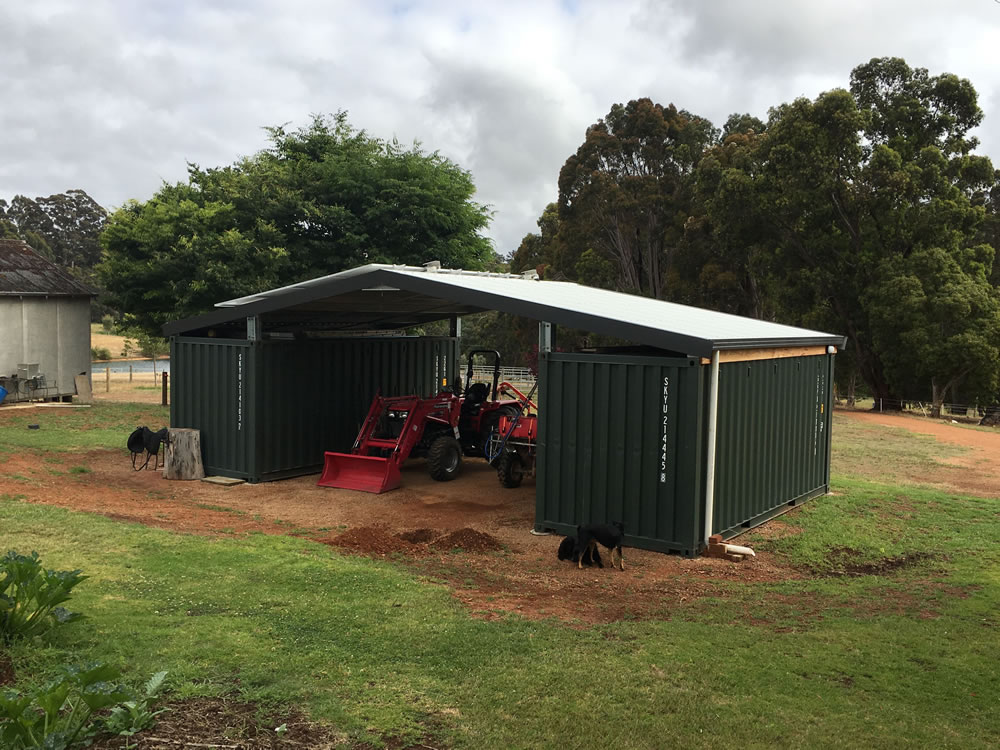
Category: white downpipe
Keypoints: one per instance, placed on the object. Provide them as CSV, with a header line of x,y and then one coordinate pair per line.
x,y
713,418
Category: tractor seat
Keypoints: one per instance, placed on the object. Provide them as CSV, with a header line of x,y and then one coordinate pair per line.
x,y
474,398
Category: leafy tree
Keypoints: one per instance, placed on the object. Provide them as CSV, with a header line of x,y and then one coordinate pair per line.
x,y
64,227
937,319
865,195
626,193
319,200
538,251
727,265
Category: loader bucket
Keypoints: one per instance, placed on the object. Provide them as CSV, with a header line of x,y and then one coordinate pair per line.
x,y
366,473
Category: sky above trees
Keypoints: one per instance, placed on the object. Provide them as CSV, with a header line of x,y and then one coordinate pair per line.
x,y
115,97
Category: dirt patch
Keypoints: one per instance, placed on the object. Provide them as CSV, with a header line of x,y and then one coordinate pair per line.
x,y
418,536
976,472
6,671
222,723
507,569
468,540
845,562
373,541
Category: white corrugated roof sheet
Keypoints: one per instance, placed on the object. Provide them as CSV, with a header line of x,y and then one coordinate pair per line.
x,y
668,325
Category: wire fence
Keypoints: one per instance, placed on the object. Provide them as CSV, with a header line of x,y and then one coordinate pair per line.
x,y
517,375
959,412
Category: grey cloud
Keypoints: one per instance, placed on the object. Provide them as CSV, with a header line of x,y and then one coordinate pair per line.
x,y
114,96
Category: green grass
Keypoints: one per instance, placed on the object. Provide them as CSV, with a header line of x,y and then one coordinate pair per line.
x,y
887,640
891,453
104,425
376,651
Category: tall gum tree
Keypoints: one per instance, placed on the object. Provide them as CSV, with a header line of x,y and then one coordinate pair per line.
x,y
625,195
851,190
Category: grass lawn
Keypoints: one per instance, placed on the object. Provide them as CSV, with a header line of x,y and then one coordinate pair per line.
x,y
889,642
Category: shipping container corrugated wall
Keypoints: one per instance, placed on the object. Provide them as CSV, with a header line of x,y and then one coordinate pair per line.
x,y
210,391
271,408
773,445
620,438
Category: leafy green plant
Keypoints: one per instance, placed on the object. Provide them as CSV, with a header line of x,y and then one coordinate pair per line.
x,y
131,717
57,715
100,353
30,596
108,323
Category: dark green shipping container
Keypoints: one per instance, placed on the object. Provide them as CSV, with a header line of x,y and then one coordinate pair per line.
x,y
270,409
625,438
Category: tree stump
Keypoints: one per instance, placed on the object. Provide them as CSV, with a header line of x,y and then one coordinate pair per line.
x,y
183,455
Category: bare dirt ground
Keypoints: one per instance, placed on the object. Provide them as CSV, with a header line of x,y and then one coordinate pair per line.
x,y
142,388
502,567
975,472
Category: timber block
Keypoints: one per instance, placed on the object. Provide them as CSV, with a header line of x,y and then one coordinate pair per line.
x,y
224,481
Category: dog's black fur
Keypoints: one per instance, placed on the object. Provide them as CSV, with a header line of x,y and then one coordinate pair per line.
x,y
144,439
592,534
567,551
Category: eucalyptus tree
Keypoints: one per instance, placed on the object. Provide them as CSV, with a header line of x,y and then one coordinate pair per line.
x,y
869,204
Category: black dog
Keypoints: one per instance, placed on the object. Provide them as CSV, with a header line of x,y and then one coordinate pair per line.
x,y
144,439
567,550
609,535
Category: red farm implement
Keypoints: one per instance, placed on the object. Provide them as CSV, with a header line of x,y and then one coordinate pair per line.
x,y
512,446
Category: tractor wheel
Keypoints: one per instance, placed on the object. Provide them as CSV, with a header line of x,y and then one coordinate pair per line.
x,y
510,470
444,458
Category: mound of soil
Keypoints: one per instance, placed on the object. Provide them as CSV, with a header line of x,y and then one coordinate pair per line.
x,y
468,540
377,541
418,536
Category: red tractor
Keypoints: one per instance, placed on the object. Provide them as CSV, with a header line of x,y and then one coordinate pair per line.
x,y
443,428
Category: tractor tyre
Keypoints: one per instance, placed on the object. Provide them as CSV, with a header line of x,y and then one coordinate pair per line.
x,y
444,458
510,470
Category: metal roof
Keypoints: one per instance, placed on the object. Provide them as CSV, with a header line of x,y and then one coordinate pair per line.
x,y
378,296
23,272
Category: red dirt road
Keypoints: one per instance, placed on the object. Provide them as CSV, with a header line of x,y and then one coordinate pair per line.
x,y
976,472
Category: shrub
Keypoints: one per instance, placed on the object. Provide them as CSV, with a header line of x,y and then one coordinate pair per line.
x,y
131,717
58,714
108,324
100,353
30,596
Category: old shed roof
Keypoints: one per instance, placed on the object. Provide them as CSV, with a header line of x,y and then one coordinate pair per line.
x,y
24,272
389,297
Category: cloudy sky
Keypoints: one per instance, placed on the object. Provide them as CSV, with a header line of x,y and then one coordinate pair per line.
x,y
116,96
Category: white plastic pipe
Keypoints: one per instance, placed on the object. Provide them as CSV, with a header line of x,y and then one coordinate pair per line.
x,y
735,549
713,417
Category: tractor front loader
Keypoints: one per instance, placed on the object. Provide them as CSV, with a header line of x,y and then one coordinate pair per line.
x,y
396,428
443,428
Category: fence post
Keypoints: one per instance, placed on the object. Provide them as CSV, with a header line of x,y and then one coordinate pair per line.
x,y
130,373
107,380
163,380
